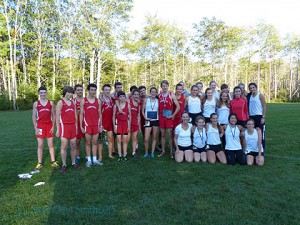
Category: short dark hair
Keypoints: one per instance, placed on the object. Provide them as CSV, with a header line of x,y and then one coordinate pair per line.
x,y
117,83
164,82
252,83
91,85
142,87
105,85
78,85
133,88
223,86
153,88
121,93
68,89
42,88
178,85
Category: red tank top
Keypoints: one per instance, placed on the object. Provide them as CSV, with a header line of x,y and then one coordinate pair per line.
x,y
77,104
67,113
107,111
134,113
165,102
124,115
181,106
43,112
91,113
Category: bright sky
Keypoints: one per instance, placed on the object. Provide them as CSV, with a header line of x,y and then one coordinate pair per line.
x,y
283,14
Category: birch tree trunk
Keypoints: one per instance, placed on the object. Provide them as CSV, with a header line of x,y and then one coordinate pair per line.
x,y
92,64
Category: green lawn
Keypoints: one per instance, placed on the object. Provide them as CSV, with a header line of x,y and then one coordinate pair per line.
x,y
152,191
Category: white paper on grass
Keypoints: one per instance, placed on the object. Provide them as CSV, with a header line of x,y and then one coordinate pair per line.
x,y
39,184
24,176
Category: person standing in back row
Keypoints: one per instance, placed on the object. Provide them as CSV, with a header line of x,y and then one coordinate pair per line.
x,y
257,110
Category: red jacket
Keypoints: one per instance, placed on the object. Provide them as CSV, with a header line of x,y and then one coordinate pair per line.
x,y
239,107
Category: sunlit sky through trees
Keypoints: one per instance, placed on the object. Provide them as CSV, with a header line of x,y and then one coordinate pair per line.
x,y
283,14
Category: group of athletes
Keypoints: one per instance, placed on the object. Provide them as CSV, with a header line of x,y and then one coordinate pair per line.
x,y
210,126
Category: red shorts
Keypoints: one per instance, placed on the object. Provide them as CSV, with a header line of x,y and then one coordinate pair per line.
x,y
107,125
44,130
176,122
92,130
68,130
165,123
134,128
122,127
79,132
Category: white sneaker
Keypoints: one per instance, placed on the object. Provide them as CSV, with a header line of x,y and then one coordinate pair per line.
x,y
88,164
98,163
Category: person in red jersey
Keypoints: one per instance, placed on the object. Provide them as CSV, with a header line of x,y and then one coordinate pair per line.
x,y
181,99
42,118
77,101
118,87
239,107
90,123
166,101
135,119
122,121
107,124
66,125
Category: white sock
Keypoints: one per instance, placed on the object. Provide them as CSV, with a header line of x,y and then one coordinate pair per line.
x,y
88,158
94,158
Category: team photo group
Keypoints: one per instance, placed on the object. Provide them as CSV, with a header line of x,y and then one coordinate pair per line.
x,y
198,126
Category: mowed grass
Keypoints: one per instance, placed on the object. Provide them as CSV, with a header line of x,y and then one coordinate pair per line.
x,y
152,191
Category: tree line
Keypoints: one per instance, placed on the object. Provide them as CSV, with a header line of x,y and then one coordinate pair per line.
x,y
63,42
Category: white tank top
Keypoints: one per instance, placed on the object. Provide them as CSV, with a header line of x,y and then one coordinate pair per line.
x,y
213,136
251,142
200,138
255,106
151,106
194,105
216,94
209,107
232,137
223,114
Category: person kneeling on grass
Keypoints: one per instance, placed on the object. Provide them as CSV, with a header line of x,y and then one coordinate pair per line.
x,y
122,121
252,143
214,147
233,147
199,140
182,140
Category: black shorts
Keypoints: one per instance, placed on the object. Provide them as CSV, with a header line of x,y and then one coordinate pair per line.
x,y
182,148
215,148
152,123
121,134
254,154
241,123
199,150
193,117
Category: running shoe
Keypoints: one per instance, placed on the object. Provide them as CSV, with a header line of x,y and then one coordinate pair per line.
x,y
134,155
119,159
77,161
152,156
125,159
38,166
55,164
63,169
98,163
161,154
146,155
88,164
76,166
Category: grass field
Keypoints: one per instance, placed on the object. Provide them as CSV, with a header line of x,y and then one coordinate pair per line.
x,y
152,191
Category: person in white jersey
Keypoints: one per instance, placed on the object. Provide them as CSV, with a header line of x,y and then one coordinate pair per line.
x,y
257,110
214,134
233,147
193,103
150,113
183,141
223,111
209,103
252,143
199,140
215,92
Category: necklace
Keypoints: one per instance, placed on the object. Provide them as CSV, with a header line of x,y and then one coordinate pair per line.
x,y
201,135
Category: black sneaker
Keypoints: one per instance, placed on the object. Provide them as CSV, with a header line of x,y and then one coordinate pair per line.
x,y
119,159
125,159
